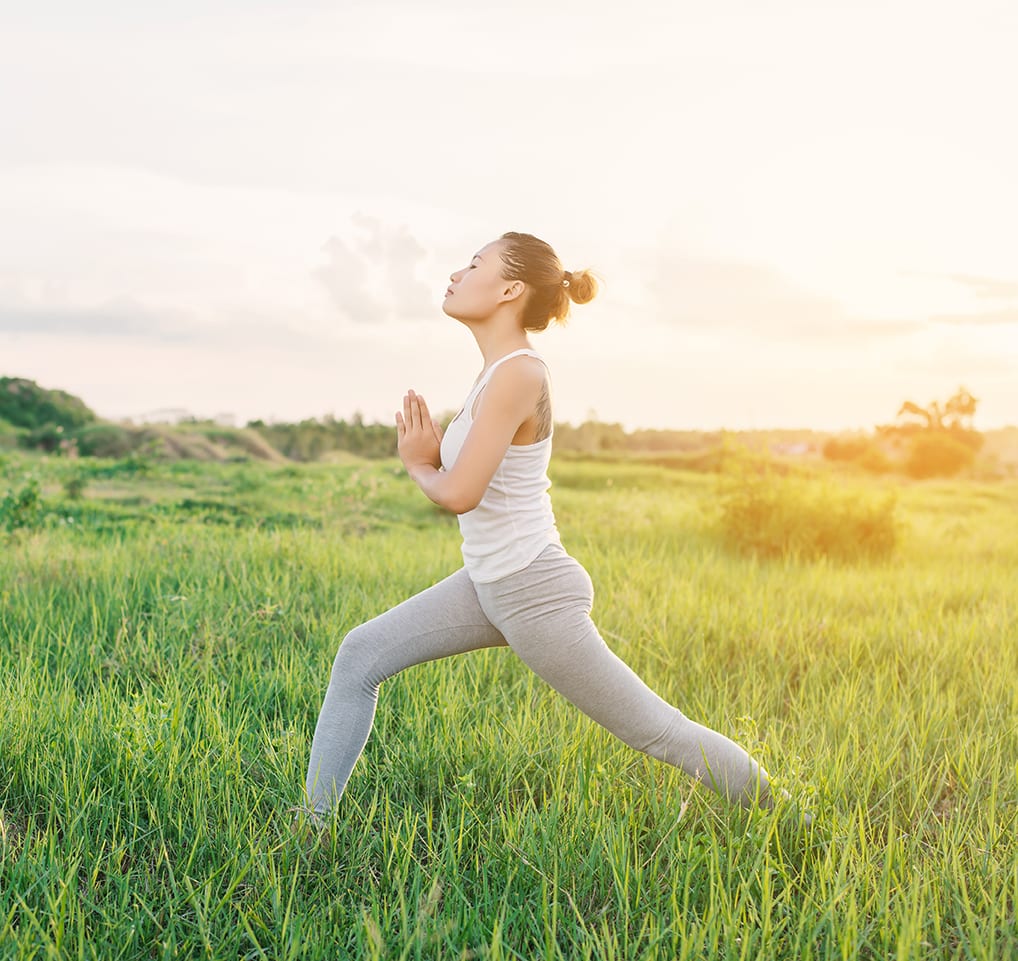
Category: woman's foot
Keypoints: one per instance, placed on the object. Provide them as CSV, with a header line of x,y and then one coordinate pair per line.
x,y
307,819
794,809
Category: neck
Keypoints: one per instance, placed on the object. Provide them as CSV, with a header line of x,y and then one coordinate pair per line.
x,y
495,341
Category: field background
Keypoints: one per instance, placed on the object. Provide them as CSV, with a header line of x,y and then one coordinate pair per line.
x,y
166,634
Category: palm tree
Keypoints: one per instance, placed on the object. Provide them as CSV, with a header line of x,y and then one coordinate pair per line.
x,y
956,413
961,408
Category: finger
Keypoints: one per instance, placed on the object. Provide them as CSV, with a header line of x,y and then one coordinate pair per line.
x,y
400,426
437,428
415,411
407,417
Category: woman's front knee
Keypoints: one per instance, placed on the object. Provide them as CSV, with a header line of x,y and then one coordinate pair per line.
x,y
353,650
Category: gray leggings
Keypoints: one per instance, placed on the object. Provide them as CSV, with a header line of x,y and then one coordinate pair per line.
x,y
543,614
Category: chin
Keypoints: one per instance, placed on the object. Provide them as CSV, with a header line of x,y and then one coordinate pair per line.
x,y
451,313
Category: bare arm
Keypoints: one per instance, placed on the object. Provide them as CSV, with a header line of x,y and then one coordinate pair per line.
x,y
506,402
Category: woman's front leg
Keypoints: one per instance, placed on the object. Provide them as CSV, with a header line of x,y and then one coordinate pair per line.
x,y
443,620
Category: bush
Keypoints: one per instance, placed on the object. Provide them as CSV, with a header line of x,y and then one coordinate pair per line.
x,y
846,448
874,460
25,404
9,435
938,454
20,508
74,485
862,451
47,437
783,516
104,440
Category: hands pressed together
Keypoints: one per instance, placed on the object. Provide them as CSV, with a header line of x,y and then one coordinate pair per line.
x,y
419,437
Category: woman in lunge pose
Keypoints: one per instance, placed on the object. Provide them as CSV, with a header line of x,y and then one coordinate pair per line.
x,y
518,586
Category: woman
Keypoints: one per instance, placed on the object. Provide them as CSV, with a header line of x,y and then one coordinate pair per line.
x,y
518,586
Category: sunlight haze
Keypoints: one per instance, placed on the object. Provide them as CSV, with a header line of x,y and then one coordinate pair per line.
x,y
802,214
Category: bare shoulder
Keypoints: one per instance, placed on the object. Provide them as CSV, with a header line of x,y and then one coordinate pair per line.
x,y
520,373
516,387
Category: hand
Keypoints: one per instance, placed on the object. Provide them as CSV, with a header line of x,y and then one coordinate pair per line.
x,y
419,437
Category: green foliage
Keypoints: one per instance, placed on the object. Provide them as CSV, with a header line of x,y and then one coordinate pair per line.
x,y
860,450
939,438
105,440
939,453
773,516
20,508
591,436
161,678
310,439
875,461
47,437
24,403
74,485
9,435
848,448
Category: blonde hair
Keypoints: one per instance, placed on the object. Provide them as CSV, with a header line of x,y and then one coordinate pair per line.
x,y
550,289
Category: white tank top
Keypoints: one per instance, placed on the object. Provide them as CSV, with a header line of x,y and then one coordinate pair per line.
x,y
513,522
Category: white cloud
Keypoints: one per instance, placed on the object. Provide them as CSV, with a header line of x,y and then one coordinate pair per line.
x,y
373,277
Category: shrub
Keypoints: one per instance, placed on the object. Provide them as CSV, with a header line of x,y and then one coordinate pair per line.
x,y
104,440
46,437
74,485
846,448
874,460
865,452
783,516
970,438
9,435
20,508
938,454
25,404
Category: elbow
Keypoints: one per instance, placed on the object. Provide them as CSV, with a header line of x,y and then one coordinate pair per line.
x,y
455,493
461,503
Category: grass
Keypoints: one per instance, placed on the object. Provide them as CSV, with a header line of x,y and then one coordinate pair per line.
x,y
166,638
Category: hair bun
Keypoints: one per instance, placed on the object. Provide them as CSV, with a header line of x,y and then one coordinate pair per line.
x,y
551,289
580,286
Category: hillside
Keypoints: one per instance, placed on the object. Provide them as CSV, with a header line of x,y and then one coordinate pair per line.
x,y
39,418
24,404
44,419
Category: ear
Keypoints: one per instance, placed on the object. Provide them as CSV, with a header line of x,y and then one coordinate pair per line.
x,y
514,290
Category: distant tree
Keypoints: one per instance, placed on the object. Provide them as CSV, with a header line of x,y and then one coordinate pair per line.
x,y
938,454
846,448
940,437
960,410
956,413
24,403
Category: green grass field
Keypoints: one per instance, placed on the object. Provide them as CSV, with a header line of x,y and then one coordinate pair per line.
x,y
166,639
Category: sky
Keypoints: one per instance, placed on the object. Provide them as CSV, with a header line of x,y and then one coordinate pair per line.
x,y
801,213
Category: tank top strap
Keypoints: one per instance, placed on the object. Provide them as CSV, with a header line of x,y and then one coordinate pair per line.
x,y
486,376
468,404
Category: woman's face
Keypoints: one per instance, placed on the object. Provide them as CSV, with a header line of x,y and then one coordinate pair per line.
x,y
477,289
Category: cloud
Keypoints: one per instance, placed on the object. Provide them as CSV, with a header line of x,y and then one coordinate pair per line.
x,y
717,295
697,291
990,288
754,299
126,322
372,277
118,319
985,318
